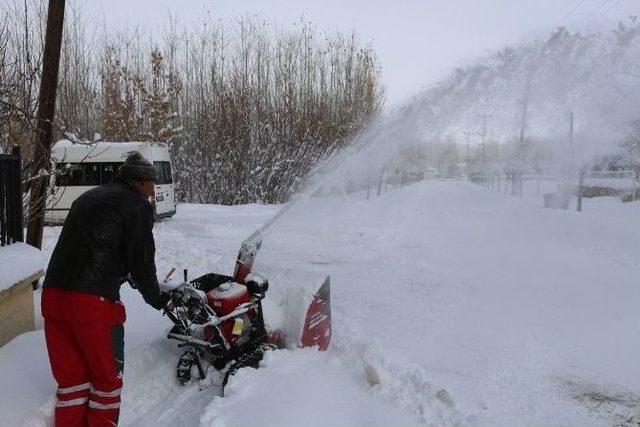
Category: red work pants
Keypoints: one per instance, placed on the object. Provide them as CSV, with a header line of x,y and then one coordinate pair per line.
x,y
85,340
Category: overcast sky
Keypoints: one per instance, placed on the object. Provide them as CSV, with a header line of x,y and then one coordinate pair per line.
x,y
418,41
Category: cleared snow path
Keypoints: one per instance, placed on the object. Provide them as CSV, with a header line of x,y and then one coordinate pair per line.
x,y
452,305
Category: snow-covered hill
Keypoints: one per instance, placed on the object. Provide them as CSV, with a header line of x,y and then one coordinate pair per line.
x,y
452,305
595,76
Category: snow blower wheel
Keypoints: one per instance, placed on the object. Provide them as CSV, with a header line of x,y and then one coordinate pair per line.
x,y
190,367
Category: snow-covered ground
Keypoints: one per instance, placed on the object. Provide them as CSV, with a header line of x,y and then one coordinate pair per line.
x,y
452,305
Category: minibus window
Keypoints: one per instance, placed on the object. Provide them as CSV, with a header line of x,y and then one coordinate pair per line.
x,y
164,172
86,174
90,174
167,172
108,172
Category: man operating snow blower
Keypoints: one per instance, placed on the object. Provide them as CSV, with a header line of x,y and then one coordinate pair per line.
x,y
106,238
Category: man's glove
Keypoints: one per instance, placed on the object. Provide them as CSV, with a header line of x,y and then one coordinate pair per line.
x,y
163,300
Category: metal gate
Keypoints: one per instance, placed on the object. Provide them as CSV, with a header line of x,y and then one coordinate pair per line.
x,y
11,215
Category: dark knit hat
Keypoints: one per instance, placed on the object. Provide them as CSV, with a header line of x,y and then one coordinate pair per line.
x,y
137,168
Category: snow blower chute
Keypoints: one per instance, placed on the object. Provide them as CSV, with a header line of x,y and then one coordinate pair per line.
x,y
219,319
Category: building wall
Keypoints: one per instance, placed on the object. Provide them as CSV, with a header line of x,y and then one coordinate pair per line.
x,y
16,309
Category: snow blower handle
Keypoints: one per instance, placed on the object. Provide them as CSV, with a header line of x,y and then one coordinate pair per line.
x,y
169,274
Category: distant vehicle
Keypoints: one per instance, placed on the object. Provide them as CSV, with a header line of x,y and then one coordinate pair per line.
x,y
80,167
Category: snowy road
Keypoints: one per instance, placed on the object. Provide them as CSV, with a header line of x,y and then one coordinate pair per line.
x,y
452,305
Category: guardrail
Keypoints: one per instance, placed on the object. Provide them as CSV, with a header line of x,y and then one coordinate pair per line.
x,y
610,174
587,185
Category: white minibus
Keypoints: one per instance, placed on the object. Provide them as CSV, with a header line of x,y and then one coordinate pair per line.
x,y
80,167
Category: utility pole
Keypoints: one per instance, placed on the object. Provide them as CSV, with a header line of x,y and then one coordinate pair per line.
x,y
468,146
517,174
45,117
580,187
483,132
583,168
571,128
525,109
523,119
467,164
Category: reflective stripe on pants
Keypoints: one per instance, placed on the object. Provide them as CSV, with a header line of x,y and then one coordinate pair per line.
x,y
96,405
74,388
72,402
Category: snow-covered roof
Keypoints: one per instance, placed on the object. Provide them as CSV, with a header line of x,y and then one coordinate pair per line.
x,y
18,261
106,151
132,145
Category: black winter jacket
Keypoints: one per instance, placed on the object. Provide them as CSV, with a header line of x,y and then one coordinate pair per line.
x,y
107,236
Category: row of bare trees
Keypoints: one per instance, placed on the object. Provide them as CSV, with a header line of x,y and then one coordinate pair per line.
x,y
246,111
265,111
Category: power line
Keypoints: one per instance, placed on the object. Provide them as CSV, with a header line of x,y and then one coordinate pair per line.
x,y
573,9
597,9
617,2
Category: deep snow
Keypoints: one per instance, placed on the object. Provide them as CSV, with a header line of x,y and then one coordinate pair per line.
x,y
452,305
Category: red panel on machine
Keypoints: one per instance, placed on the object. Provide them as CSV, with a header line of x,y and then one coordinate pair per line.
x,y
316,331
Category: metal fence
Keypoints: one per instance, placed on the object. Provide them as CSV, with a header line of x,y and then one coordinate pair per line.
x,y
11,219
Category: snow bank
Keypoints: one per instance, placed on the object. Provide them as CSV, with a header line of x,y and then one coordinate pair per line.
x,y
26,381
301,388
18,261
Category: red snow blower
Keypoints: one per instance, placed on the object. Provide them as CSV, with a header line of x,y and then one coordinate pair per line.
x,y
220,319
